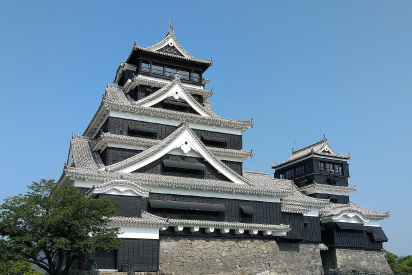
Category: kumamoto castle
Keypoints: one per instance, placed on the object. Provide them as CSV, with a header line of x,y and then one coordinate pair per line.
x,y
186,206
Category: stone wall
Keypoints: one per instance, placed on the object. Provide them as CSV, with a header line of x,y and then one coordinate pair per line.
x,y
350,259
225,256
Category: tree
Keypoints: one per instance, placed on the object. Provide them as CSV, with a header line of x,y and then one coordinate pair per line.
x,y
17,268
399,265
54,227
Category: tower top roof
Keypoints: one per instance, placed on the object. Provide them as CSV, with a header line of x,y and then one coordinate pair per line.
x,y
170,47
320,148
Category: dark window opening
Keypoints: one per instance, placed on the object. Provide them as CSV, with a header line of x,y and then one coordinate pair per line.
x,y
142,132
198,98
214,141
333,199
300,170
289,174
330,181
179,106
176,168
147,92
246,213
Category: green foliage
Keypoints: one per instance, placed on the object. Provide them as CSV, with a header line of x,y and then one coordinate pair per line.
x,y
401,265
17,268
54,227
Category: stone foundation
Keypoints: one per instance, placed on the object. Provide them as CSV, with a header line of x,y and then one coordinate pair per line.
x,y
346,260
225,256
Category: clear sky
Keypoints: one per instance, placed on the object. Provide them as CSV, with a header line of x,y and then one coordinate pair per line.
x,y
300,69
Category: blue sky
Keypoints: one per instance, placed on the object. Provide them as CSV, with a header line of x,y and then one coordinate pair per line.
x,y
300,69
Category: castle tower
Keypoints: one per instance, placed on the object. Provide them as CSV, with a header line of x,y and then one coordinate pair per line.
x,y
318,171
175,168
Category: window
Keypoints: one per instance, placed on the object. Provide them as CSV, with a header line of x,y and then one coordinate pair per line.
x,y
338,169
158,70
184,75
145,68
322,166
195,77
329,167
300,170
281,175
169,72
289,174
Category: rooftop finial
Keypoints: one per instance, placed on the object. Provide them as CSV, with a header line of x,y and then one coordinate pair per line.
x,y
324,137
293,150
171,28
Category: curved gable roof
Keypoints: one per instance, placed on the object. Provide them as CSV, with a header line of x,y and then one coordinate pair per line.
x,y
320,148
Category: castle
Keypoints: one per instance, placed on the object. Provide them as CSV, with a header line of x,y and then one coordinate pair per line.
x,y
186,206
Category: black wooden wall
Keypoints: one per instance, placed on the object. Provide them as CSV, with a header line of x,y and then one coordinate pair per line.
x,y
127,206
120,126
111,155
313,174
304,228
265,212
333,236
142,253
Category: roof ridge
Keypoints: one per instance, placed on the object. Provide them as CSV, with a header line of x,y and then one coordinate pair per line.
x,y
324,140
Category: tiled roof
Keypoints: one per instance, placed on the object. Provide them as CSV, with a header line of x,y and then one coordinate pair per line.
x,y
293,208
321,148
120,185
231,225
82,154
296,201
146,219
165,142
171,40
109,137
115,99
300,199
122,67
161,92
178,182
331,188
336,209
140,80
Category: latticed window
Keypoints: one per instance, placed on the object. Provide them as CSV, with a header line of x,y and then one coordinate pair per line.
x,y
300,170
329,167
322,166
338,169
289,174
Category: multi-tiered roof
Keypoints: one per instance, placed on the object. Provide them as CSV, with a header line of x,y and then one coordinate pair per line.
x,y
156,124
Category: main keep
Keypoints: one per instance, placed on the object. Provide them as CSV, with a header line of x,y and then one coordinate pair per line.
x,y
186,206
